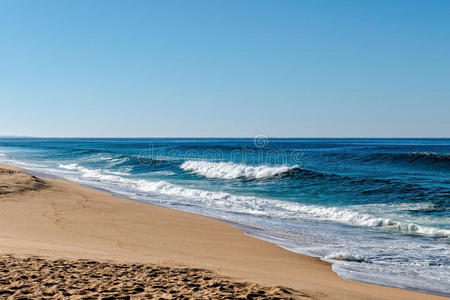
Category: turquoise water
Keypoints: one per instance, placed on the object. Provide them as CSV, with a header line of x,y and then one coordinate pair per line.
x,y
378,209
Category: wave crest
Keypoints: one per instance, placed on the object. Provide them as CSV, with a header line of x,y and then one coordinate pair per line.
x,y
96,174
229,170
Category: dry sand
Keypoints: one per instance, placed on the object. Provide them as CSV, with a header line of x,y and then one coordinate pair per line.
x,y
42,278
90,243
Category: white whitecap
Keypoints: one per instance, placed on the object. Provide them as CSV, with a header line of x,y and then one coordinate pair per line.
x,y
344,256
229,170
90,173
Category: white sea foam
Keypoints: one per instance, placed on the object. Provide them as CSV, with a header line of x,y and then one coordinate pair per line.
x,y
344,256
91,173
113,161
163,173
259,206
229,170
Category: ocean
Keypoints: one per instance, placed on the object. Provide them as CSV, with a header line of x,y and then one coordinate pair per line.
x,y
377,209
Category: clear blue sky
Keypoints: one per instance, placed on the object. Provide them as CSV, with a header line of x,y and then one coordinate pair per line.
x,y
225,68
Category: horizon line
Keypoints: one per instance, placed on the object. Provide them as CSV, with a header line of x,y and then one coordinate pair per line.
x,y
216,137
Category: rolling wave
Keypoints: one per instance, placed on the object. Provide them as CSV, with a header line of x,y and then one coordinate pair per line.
x,y
96,174
229,170
430,159
137,163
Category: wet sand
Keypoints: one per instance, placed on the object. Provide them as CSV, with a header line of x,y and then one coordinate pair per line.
x,y
88,242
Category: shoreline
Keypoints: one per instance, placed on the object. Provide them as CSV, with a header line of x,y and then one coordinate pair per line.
x,y
146,233
248,229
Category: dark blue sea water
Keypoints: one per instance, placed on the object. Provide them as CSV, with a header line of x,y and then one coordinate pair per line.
x,y
378,209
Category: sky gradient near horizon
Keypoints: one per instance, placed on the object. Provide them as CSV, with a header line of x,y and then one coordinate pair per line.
x,y
225,68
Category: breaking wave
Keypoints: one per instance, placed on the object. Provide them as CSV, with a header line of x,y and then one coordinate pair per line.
x,y
344,256
229,170
93,173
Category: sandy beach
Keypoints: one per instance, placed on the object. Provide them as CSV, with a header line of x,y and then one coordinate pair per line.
x,y
61,239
